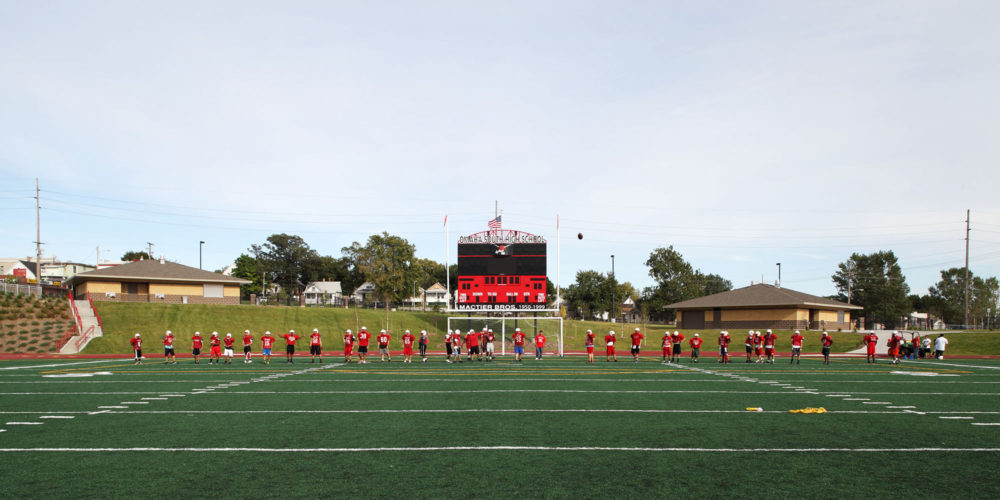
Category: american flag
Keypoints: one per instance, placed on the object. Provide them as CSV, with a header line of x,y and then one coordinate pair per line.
x,y
495,223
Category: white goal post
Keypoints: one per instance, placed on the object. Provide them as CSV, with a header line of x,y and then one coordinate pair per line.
x,y
503,320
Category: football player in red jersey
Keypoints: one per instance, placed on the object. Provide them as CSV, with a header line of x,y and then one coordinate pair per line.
x,y
196,345
758,345
724,341
408,339
472,345
267,343
216,350
490,339
893,343
348,346
137,348
363,337
168,348
589,343
676,339
316,346
871,341
827,342
518,344
769,339
665,344
447,345
796,347
228,342
383,345
290,339
247,346
695,344
749,344
609,341
637,337
456,346
539,344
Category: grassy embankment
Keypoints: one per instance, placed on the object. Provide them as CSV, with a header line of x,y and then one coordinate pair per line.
x,y
29,324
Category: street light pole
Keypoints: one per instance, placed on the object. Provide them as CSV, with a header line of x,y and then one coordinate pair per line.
x,y
200,245
779,273
613,292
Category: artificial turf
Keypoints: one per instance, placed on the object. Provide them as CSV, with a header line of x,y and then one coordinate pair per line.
x,y
552,428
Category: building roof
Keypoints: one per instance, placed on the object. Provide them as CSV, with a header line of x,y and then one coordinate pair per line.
x,y
436,287
761,295
156,270
31,266
331,287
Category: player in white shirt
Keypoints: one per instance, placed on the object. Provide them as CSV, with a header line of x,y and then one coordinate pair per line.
x,y
939,344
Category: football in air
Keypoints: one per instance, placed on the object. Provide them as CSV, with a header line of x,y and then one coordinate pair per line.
x,y
579,236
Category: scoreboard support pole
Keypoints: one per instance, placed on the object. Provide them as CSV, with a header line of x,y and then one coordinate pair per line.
x,y
503,328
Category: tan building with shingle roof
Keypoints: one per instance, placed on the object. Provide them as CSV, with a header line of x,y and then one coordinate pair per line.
x,y
157,281
763,306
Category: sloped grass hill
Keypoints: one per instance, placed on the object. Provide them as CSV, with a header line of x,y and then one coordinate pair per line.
x,y
29,324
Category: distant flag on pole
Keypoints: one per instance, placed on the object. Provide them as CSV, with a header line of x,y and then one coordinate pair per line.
x,y
495,223
445,221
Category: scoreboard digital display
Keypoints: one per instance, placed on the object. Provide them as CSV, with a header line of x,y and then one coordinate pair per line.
x,y
501,270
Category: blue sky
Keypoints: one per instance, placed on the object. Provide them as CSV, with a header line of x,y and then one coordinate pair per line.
x,y
741,133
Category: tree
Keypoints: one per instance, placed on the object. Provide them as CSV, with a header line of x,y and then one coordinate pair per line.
x,y
248,268
875,282
587,295
946,299
286,260
676,281
385,261
136,255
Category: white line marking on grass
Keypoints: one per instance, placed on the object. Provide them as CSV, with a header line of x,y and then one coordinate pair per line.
x,y
838,395
134,402
856,399
504,448
113,407
470,410
98,412
172,395
57,365
503,391
900,406
877,403
986,423
155,399
913,411
956,364
957,418
57,416
24,423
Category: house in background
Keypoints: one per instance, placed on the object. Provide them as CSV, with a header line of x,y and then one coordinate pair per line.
x,y
364,293
157,281
763,306
324,293
630,313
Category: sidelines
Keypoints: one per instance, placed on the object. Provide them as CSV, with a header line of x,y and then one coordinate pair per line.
x,y
508,448
28,367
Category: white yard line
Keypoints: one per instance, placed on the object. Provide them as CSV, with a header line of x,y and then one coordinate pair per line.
x,y
29,367
56,416
507,448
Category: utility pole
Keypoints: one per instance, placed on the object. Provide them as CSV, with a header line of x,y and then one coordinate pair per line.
x,y
614,294
967,214
200,245
150,252
38,242
779,273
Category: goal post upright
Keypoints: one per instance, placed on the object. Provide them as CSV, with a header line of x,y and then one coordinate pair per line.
x,y
503,327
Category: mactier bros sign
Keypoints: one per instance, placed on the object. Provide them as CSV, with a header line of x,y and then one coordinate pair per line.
x,y
501,270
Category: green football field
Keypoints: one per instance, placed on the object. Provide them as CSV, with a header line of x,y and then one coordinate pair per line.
x,y
550,428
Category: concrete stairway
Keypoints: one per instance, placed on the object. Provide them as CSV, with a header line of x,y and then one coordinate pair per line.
x,y
88,319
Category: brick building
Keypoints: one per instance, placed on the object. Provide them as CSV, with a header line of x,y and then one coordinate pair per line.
x,y
157,281
763,306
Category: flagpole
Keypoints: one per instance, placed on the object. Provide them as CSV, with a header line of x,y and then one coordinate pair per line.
x,y
447,264
558,297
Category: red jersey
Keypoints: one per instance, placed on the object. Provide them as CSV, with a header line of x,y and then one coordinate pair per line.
x,y
758,340
383,339
539,340
348,339
214,341
893,341
769,339
314,339
724,340
363,337
827,341
247,339
136,343
290,338
268,341
519,338
677,338
490,337
750,341
590,339
456,339
666,341
695,342
797,340
196,342
168,341
472,340
408,339
609,340
229,342
637,338
871,339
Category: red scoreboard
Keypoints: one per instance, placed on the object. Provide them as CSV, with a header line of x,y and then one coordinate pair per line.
x,y
501,269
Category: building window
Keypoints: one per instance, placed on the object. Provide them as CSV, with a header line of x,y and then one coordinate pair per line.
x,y
213,291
